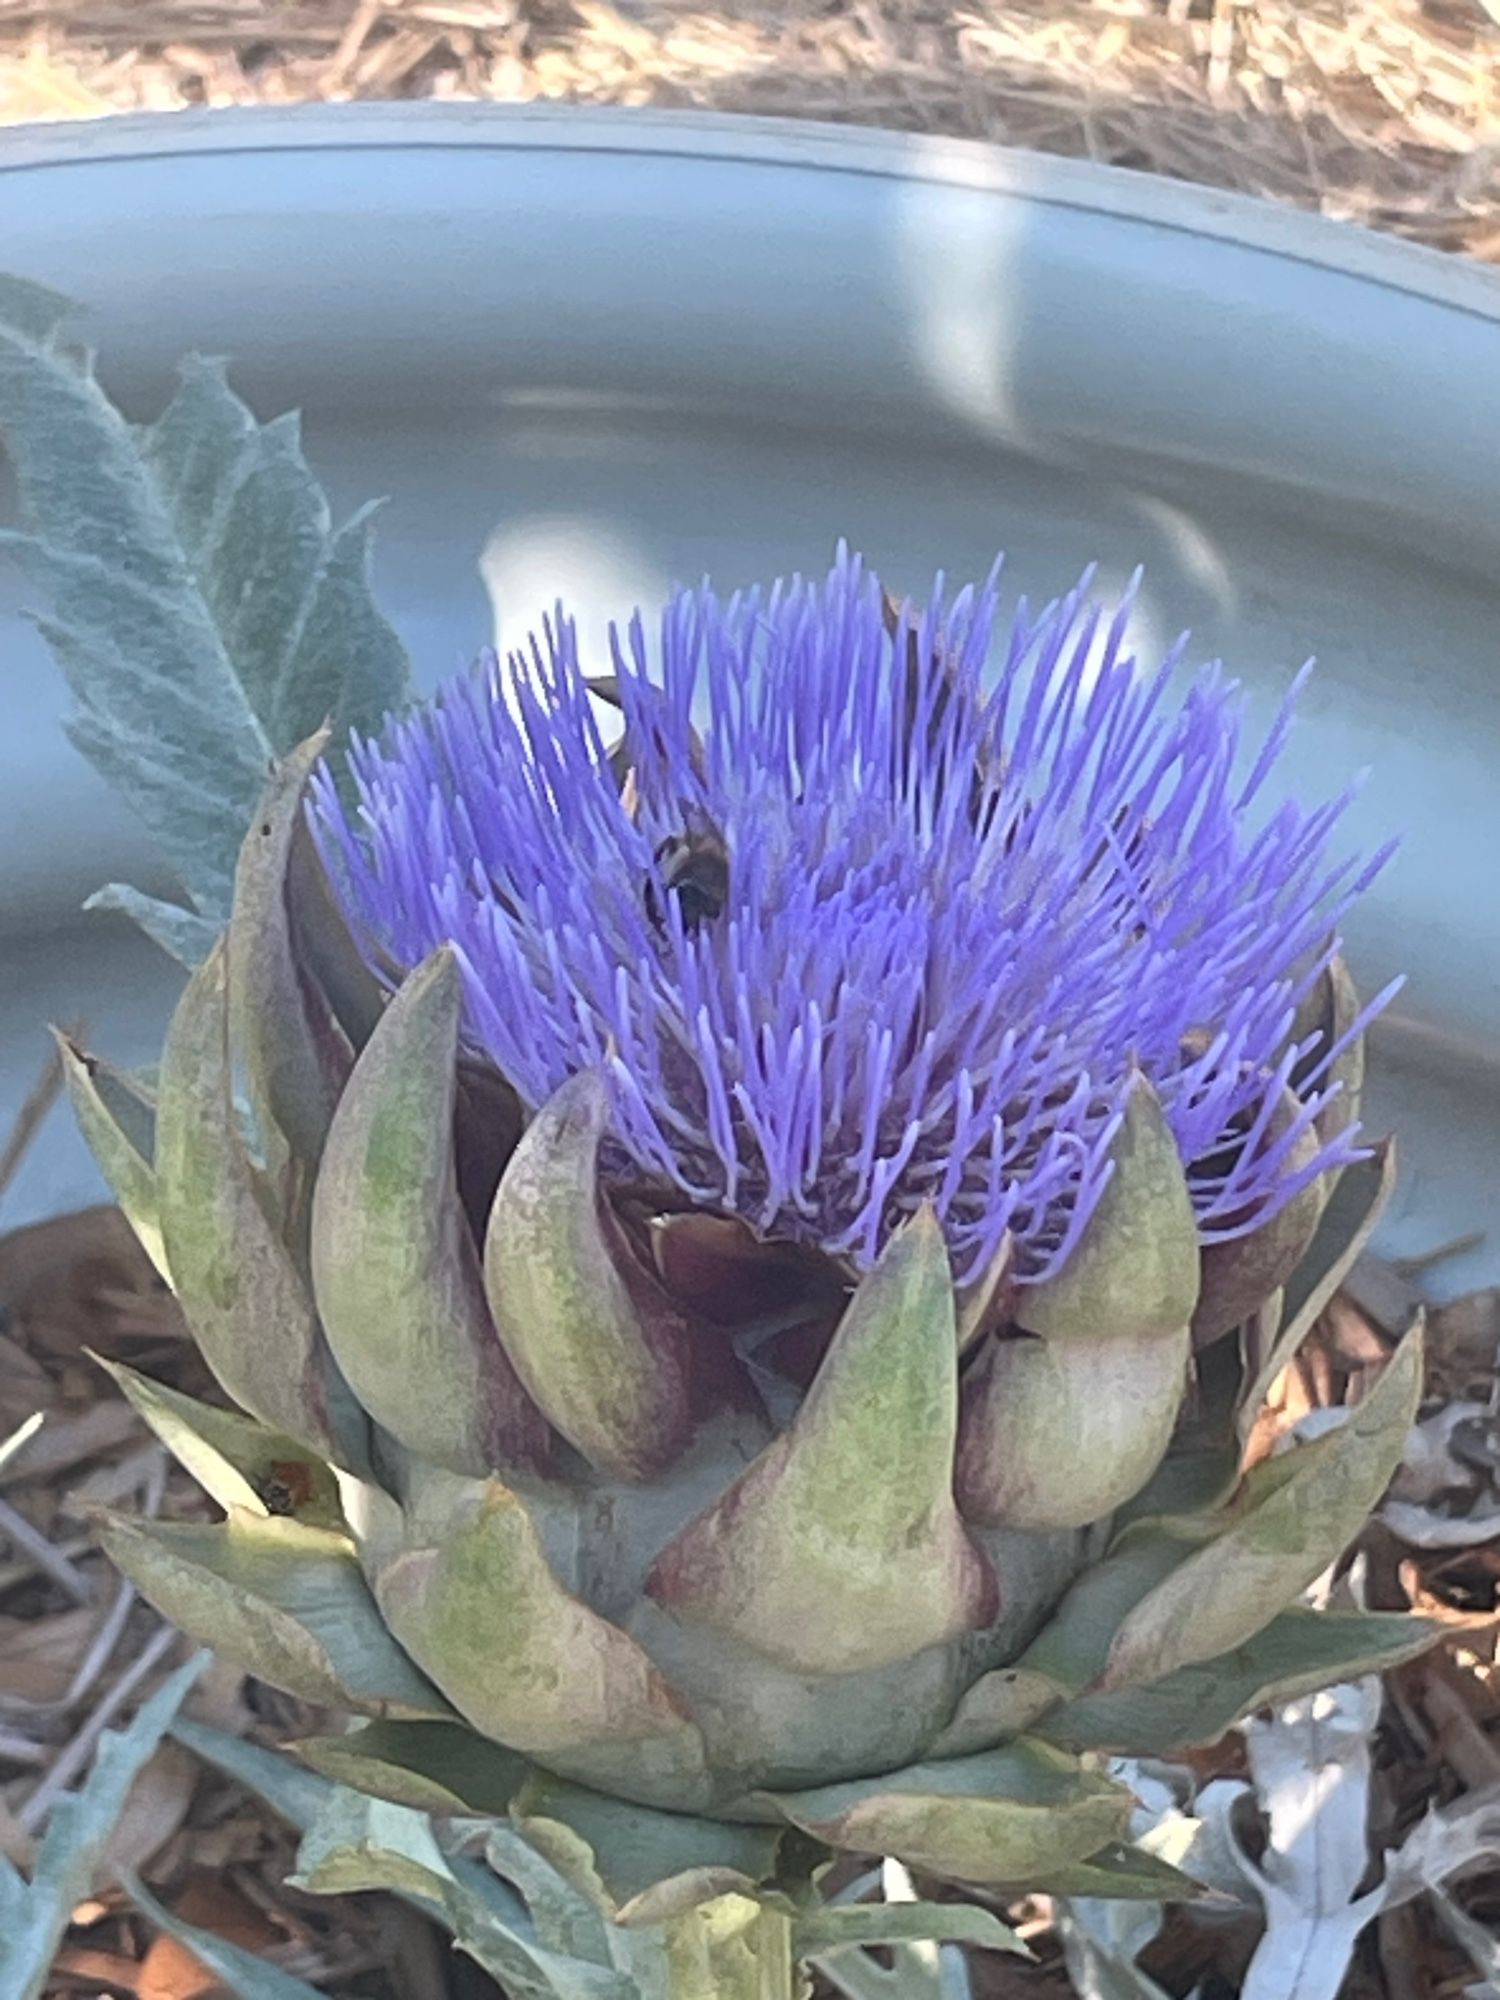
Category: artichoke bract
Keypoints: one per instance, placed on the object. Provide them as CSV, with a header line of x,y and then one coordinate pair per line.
x,y
750,1200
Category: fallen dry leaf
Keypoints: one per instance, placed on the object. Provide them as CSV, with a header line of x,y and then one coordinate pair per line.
x,y
171,1972
1463,1338
25,1386
155,1808
67,1440
38,1656
91,1968
82,1280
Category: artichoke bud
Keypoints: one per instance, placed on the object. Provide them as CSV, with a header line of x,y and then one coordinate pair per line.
x,y
840,1547
605,1360
696,1470
238,1281
1330,1011
119,1123
1069,1417
476,1603
987,1301
1239,1273
296,1055
395,1267
325,946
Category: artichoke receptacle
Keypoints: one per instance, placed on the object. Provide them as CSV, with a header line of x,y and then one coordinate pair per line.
x,y
757,1239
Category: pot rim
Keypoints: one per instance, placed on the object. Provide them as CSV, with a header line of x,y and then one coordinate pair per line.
x,y
1048,180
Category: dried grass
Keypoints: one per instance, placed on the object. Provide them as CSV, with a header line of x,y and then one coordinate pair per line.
x,y
1385,111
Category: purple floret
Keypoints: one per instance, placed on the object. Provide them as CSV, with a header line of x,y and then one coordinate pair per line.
x,y
967,897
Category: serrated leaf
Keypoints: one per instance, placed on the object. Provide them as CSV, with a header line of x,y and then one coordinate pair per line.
x,y
1447,1842
1311,1766
245,1975
205,612
34,1915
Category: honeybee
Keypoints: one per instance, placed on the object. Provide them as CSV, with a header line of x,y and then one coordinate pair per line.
x,y
695,869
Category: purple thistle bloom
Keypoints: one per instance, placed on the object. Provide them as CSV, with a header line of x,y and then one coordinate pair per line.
x,y
961,908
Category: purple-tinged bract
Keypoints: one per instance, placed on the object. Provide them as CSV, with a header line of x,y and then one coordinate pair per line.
x,y
878,916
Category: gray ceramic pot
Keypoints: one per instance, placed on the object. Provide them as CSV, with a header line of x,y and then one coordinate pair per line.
x,y
590,352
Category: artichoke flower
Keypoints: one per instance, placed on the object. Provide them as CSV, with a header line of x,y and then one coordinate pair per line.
x,y
774,1180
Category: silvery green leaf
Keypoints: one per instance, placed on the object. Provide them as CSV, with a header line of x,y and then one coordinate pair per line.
x,y
357,1843
1448,1841
1198,1838
1176,1822
915,1972
1445,1845
1310,1764
34,1915
565,1919
306,1799
1102,1937
527,1969
181,933
1478,1940
917,1968
244,1974
204,610
832,1930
